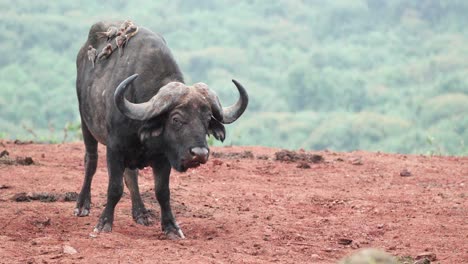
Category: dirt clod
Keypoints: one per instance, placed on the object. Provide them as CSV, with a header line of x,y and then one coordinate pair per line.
x,y
3,186
43,197
4,153
20,142
293,156
70,196
263,157
26,161
303,165
6,160
233,155
21,197
27,197
405,173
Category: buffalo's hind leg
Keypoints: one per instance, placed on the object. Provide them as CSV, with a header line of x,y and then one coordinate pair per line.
x,y
139,212
83,202
161,173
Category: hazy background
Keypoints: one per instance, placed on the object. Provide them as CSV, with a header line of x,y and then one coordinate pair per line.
x,y
343,75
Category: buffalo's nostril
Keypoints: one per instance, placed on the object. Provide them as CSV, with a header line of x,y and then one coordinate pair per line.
x,y
200,154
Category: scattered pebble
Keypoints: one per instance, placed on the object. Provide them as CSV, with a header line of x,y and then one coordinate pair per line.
x,y
345,241
217,162
42,223
405,173
69,250
356,161
3,186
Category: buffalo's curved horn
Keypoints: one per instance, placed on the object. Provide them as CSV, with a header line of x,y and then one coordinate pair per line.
x,y
233,112
167,96
227,115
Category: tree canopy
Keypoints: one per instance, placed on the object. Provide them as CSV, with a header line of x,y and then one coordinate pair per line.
x,y
342,75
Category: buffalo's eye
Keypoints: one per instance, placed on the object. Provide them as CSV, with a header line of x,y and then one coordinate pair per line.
x,y
176,121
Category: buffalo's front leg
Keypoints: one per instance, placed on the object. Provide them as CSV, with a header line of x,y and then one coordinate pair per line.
x,y
139,212
161,172
115,167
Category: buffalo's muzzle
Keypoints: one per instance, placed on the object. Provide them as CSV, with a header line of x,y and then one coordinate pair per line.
x,y
199,155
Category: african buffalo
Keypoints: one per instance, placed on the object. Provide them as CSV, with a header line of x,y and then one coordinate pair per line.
x,y
138,106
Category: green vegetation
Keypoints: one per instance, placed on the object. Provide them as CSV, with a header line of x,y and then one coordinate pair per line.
x,y
344,75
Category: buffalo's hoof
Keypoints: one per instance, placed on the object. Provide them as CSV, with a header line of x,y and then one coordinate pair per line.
x,y
175,234
145,217
81,211
83,206
103,226
173,231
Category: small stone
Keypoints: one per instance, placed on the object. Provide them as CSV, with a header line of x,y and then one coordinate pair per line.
x,y
356,161
405,173
315,257
217,162
345,241
69,250
92,235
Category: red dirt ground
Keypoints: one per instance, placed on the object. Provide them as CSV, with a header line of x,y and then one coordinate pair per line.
x,y
239,209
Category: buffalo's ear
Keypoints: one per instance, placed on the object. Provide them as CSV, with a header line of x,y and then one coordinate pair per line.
x,y
151,129
216,129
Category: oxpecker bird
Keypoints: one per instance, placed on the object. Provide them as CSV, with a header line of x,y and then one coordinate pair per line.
x,y
125,25
121,41
106,52
92,53
109,34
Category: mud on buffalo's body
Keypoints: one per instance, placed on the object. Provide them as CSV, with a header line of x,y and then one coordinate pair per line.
x,y
138,106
